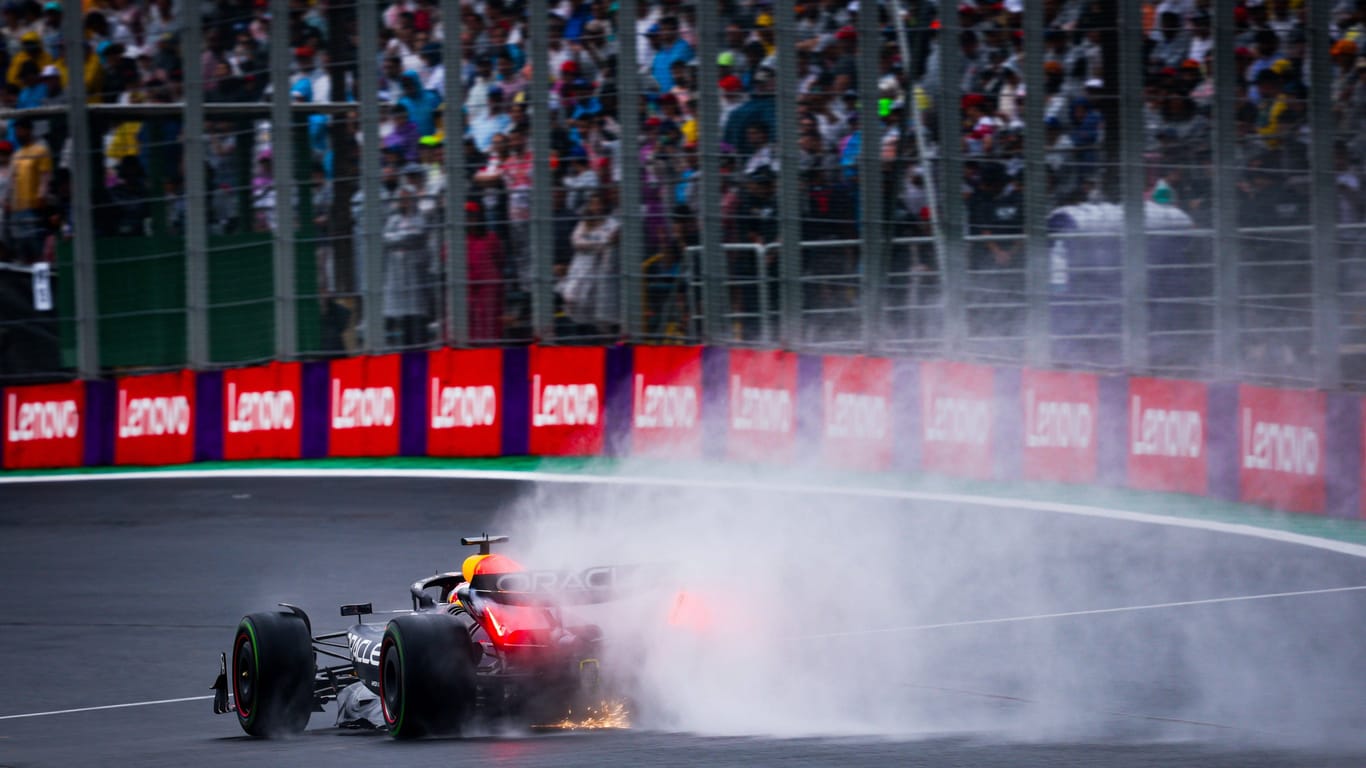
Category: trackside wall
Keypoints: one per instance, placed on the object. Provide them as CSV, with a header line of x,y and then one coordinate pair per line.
x,y
1294,450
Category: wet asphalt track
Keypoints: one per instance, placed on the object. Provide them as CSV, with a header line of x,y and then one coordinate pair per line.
x,y
125,591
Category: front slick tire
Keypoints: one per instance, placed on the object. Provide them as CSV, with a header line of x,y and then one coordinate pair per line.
x,y
426,675
272,674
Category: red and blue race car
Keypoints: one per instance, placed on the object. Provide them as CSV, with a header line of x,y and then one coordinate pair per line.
x,y
489,643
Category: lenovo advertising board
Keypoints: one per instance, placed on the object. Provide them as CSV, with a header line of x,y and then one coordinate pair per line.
x,y
762,414
666,402
1280,448
957,418
1060,417
464,402
1167,446
154,419
263,412
567,400
44,426
856,412
363,406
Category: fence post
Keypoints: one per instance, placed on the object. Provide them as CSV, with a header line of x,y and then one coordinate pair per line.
x,y
630,252
282,172
372,206
713,258
453,164
790,187
196,198
1038,344
541,238
872,250
1226,323
82,218
1323,198
948,108
1134,247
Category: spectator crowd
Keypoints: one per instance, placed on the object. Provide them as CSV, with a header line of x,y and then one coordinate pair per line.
x,y
134,56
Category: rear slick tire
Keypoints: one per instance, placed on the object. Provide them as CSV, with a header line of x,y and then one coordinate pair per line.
x,y
426,675
272,674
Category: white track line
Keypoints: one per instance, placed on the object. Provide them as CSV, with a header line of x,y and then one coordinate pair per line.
x,y
527,476
106,706
1090,612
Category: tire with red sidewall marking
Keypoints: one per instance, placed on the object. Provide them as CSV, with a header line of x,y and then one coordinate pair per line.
x,y
272,674
426,675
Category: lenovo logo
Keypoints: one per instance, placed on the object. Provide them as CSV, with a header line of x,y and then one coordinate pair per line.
x,y
556,405
958,420
1057,424
664,406
757,409
361,407
43,420
452,407
260,411
1279,447
1159,432
153,416
853,415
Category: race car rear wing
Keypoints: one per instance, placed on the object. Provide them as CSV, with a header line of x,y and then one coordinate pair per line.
x,y
599,584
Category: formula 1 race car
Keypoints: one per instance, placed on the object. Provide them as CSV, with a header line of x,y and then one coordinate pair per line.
x,y
488,643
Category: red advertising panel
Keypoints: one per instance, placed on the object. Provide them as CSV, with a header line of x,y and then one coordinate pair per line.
x,y
1060,410
262,412
154,423
1167,444
464,402
763,399
567,385
363,406
856,407
957,413
1280,448
666,402
43,426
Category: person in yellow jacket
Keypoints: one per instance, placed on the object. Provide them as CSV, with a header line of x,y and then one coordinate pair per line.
x,y
94,76
30,49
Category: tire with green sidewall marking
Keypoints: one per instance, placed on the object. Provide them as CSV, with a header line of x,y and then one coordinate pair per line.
x,y
426,678
272,674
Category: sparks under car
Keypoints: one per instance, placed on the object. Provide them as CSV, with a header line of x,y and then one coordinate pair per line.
x,y
490,642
